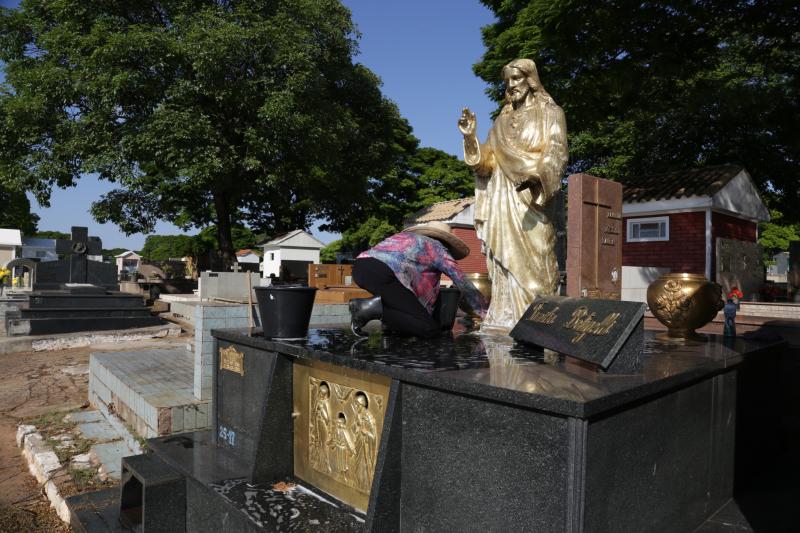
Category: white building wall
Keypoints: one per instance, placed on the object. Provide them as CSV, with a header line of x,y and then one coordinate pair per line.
x,y
297,254
273,266
271,263
635,281
7,253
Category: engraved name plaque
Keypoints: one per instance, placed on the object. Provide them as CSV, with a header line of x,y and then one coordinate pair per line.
x,y
337,428
606,333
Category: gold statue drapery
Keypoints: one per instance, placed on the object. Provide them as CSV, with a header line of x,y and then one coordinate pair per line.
x,y
518,174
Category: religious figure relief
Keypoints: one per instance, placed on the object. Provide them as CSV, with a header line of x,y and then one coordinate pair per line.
x,y
342,450
518,178
365,444
319,428
342,432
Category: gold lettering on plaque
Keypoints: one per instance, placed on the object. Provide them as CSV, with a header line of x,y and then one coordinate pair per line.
x,y
611,229
607,242
231,359
584,322
338,428
615,216
542,317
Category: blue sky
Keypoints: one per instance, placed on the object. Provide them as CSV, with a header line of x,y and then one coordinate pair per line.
x,y
422,50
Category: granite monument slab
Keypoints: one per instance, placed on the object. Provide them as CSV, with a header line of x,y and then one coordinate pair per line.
x,y
594,237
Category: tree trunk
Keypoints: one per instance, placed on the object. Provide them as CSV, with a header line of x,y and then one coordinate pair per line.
x,y
224,236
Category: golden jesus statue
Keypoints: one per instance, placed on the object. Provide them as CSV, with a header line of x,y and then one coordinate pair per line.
x,y
518,175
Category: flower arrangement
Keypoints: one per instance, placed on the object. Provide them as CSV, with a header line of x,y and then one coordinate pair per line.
x,y
735,294
5,276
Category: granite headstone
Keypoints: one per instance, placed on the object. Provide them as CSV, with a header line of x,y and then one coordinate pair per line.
x,y
594,237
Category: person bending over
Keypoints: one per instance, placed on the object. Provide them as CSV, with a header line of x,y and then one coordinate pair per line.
x,y
403,273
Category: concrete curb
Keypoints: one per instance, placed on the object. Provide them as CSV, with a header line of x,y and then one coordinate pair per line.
x,y
44,466
62,341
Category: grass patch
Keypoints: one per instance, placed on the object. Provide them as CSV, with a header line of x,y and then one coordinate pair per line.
x,y
52,423
77,446
87,480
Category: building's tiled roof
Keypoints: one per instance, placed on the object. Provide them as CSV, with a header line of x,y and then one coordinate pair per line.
x,y
246,251
705,181
441,211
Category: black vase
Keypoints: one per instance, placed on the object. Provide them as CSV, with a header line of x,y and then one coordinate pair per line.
x,y
285,310
446,307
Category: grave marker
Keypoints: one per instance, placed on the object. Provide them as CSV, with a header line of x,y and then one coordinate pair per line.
x,y
594,238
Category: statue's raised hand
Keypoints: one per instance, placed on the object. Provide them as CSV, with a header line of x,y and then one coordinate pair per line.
x,y
467,123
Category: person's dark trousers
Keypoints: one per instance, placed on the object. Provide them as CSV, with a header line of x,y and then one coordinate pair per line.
x,y
402,312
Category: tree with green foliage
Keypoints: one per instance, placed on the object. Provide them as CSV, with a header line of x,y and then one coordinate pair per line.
x,y
50,234
776,234
421,177
164,247
206,112
16,211
667,85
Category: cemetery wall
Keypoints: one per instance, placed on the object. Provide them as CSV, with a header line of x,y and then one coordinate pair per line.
x,y
226,285
685,250
475,262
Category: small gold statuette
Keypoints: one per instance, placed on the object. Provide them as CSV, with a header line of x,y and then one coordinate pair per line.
x,y
231,359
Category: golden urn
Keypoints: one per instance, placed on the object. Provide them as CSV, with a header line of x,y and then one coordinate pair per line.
x,y
482,283
684,302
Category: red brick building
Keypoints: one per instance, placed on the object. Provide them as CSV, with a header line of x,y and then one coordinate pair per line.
x,y
672,221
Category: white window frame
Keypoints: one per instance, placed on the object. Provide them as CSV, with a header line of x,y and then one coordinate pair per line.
x,y
648,220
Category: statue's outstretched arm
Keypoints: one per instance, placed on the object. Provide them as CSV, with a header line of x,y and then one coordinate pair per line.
x,y
473,155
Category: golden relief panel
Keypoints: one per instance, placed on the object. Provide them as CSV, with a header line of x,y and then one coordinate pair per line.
x,y
231,359
338,419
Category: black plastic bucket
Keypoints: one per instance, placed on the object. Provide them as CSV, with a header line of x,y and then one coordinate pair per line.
x,y
447,306
285,310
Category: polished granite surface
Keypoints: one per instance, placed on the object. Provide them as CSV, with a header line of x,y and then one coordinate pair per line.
x,y
498,368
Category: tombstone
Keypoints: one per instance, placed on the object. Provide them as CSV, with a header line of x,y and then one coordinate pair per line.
x,y
594,238
739,264
77,268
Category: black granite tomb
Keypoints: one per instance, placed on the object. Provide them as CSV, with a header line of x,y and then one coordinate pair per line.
x,y
77,268
479,433
74,294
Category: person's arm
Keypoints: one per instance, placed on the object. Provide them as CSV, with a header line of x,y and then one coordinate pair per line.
x,y
473,297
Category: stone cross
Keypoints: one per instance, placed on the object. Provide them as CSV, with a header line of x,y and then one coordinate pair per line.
x,y
79,248
594,237
236,267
